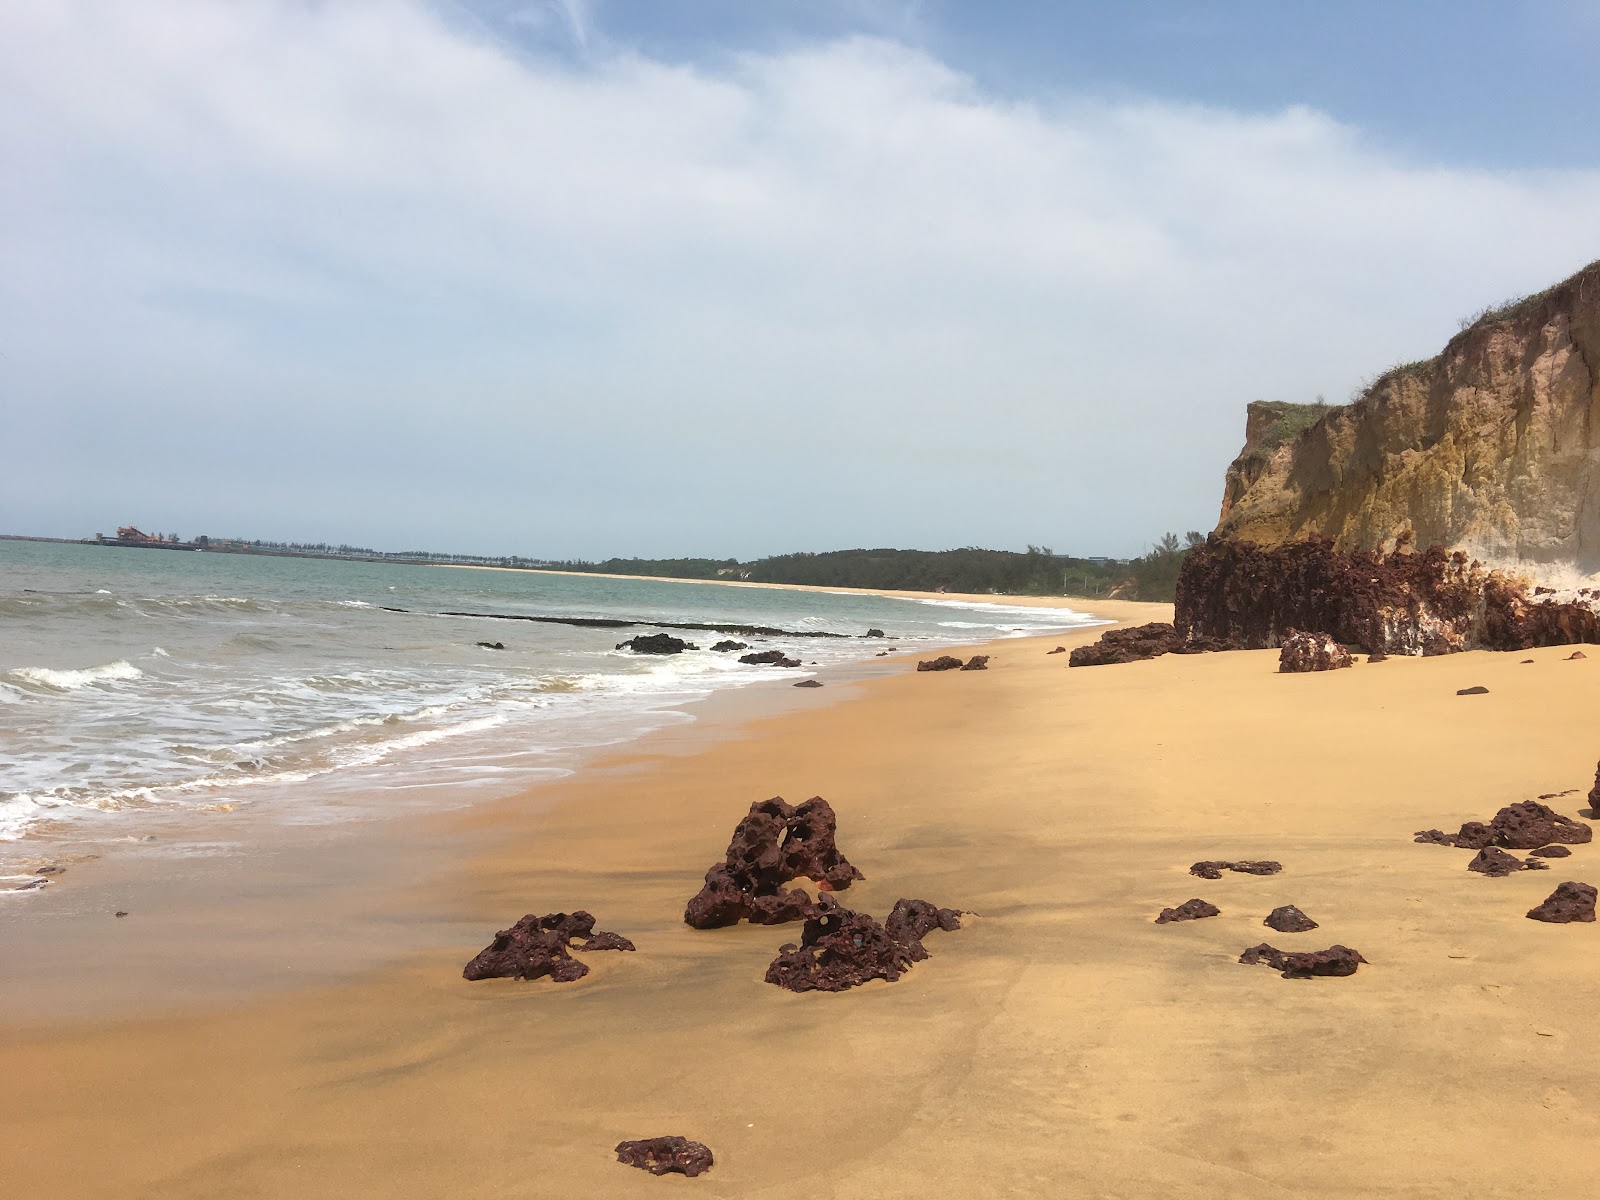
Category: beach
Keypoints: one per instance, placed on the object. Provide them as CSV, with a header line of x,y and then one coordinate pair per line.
x,y
1059,1043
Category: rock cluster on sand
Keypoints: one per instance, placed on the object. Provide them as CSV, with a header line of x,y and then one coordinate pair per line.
x,y
841,949
1497,864
1311,652
1335,960
1526,825
1289,919
1214,870
1569,902
946,662
656,643
769,658
537,946
1132,644
660,1155
1189,910
774,844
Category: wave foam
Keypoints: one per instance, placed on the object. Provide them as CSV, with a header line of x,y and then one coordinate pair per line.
x,y
71,681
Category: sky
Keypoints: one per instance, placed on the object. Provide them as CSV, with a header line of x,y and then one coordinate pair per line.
x,y
711,277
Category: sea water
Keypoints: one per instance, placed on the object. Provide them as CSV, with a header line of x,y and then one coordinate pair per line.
x,y
140,681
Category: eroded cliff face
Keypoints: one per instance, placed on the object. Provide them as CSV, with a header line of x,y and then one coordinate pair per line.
x,y
1492,448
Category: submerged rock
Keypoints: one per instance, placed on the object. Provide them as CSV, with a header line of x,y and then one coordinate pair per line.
x,y
493,645
656,643
538,946
774,844
1189,910
1311,652
1289,919
1335,961
769,658
660,1155
840,949
874,633
723,647
1569,902
1214,870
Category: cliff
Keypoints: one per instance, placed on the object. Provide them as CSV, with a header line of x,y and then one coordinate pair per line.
x,y
1492,447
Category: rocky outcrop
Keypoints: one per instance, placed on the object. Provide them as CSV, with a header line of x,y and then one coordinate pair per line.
x,y
1525,825
1190,910
840,949
661,1155
1311,652
656,643
1127,645
728,644
538,946
1569,902
1335,960
769,658
1214,870
1492,447
775,844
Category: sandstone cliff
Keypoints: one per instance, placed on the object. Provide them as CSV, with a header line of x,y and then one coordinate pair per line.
x,y
1493,447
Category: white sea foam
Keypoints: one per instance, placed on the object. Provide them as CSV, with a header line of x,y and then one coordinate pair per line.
x,y
70,681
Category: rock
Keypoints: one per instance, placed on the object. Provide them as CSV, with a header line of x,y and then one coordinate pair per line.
x,y
809,683
978,662
875,633
656,643
769,658
1434,837
943,663
31,885
840,949
1474,835
724,646
1335,960
659,1155
52,869
1311,652
120,913
1496,863
1128,645
1594,794
1214,870
537,946
773,845
1189,910
1289,919
496,645
1529,824
1576,654
1569,902
1057,650
1551,852
1380,656
1473,691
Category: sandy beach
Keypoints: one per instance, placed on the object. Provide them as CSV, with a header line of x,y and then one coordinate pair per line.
x,y
1060,1043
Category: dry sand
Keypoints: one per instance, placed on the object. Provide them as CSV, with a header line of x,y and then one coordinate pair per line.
x,y
1059,1045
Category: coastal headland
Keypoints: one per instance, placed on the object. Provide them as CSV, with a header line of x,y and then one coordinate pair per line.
x,y
1059,1043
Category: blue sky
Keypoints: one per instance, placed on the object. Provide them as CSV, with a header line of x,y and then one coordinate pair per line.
x,y
582,279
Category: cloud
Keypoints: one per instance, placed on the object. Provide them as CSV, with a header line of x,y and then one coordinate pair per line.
x,y
363,272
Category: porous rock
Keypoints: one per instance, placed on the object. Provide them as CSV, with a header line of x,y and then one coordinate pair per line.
x,y
537,946
1434,837
1594,794
1496,863
656,643
1569,902
769,658
660,1155
1335,960
1528,824
774,844
1311,652
1214,870
1289,919
840,949
1132,644
978,662
1189,910
944,662
723,647
1550,852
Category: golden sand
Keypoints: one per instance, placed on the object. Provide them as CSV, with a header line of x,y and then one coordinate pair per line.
x,y
1059,1045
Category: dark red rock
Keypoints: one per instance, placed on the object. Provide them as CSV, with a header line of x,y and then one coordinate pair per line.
x,y
1214,870
1335,961
1132,644
1569,902
909,921
1057,650
1289,919
1551,852
656,643
1189,910
944,662
774,844
1594,794
1473,691
1378,657
1474,835
660,1155
840,949
769,658
724,647
1434,837
537,946
1576,654
1528,824
1302,652
1496,863
978,662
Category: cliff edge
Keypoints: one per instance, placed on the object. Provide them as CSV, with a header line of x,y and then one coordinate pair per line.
x,y
1492,447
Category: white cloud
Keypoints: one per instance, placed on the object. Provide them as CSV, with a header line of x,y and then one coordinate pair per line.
x,y
416,283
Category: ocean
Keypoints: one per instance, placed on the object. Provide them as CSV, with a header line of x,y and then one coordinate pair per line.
x,y
153,682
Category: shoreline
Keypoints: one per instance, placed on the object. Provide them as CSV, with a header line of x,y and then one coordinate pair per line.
x,y
1058,1035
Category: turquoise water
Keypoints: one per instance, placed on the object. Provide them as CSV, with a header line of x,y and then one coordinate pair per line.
x,y
137,680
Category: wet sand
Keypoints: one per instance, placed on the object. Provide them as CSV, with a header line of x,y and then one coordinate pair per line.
x,y
1059,1044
